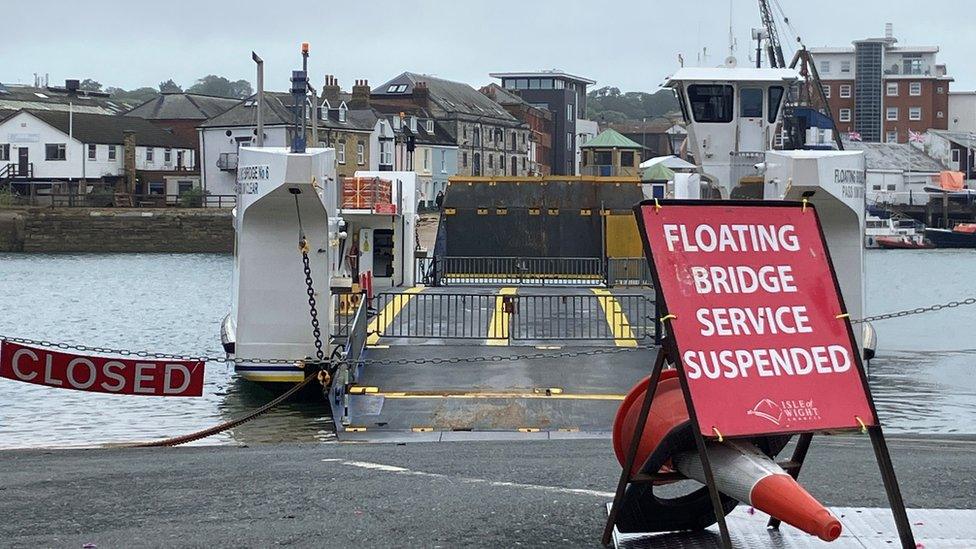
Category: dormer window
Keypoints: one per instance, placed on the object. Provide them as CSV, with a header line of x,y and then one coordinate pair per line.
x,y
342,112
412,122
396,88
397,122
430,126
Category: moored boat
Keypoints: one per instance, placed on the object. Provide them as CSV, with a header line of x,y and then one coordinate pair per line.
x,y
902,242
962,235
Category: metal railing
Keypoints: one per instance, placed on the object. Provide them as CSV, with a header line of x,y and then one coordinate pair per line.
x,y
582,317
519,271
227,162
628,271
110,200
13,170
436,316
744,165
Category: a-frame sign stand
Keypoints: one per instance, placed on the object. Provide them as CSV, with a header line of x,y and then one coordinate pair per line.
x,y
669,353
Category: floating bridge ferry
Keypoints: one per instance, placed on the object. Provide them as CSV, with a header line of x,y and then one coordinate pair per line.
x,y
533,315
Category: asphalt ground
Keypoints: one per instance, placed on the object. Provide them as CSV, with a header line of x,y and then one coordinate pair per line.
x,y
487,494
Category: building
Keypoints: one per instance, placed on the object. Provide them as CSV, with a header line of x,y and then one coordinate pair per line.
x,y
14,98
611,154
350,127
53,152
181,113
537,118
955,150
883,90
565,96
490,141
659,136
896,172
962,111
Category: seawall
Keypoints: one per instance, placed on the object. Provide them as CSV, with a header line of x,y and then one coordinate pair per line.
x,y
110,230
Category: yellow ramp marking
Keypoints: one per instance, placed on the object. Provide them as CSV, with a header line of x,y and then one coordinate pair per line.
x,y
383,320
498,329
623,336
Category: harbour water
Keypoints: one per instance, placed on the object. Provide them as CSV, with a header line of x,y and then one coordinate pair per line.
x,y
924,378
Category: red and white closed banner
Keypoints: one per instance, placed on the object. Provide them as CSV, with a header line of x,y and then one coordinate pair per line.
x,y
758,322
99,374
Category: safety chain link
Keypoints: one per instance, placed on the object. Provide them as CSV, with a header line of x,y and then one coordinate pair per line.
x,y
917,310
312,309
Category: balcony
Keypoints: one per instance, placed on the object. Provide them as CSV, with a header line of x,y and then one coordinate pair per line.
x,y
227,162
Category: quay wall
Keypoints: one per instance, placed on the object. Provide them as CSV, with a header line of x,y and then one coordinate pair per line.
x,y
117,230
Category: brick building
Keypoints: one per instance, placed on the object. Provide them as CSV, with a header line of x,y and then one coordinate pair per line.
x,y
539,120
882,90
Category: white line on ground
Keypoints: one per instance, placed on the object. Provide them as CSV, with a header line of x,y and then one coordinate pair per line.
x,y
496,483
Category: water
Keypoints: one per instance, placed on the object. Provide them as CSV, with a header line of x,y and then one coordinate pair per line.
x,y
924,378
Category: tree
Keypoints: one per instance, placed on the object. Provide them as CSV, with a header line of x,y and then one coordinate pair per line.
x,y
169,87
220,86
609,102
90,85
138,95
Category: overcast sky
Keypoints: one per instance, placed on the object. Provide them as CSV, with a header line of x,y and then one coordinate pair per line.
x,y
630,44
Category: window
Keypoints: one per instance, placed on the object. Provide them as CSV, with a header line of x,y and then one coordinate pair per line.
x,y
397,122
915,113
534,84
546,83
891,89
501,162
915,88
464,160
341,151
54,151
167,155
149,154
464,132
891,187
845,67
426,159
476,161
112,151
711,102
845,115
5,151
569,141
825,67
491,161
750,102
443,161
560,84
386,153
184,186
514,141
157,187
92,152
775,97
360,154
627,157
954,155
396,88
845,90
476,137
826,90
940,114
891,137
522,84
342,113
514,166
570,112
429,126
911,64
891,113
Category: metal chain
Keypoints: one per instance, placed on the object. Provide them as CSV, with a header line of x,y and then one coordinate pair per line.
x,y
917,310
312,309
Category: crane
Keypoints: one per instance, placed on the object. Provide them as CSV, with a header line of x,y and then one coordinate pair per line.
x,y
773,49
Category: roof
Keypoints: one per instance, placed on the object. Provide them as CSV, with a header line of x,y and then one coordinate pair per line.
x,y
657,124
108,128
183,106
15,97
732,74
356,119
277,107
966,139
611,139
508,98
450,97
543,74
832,49
900,157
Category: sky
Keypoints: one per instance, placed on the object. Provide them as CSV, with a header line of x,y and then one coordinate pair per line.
x,y
629,44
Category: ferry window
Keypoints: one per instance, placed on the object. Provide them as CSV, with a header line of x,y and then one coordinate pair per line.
x,y
711,102
684,107
775,98
750,102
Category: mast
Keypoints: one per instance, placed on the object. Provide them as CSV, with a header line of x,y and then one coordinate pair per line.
x,y
773,49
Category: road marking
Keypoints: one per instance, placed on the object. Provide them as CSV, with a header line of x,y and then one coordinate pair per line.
x,y
498,328
471,480
393,307
623,336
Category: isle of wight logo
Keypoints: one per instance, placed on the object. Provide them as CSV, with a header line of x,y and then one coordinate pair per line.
x,y
768,410
785,411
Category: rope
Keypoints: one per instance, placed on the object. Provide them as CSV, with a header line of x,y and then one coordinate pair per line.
x,y
220,427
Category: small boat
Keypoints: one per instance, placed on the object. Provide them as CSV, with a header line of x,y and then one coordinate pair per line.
x,y
902,242
962,235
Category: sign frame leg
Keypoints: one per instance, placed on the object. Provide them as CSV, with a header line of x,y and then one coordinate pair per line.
x,y
895,500
625,476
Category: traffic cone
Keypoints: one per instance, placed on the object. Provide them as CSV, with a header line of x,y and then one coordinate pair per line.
x,y
742,472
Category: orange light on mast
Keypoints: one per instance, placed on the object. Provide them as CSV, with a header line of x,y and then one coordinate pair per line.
x,y
304,47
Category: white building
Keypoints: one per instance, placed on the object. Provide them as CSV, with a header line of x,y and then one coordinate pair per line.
x,y
896,172
962,112
54,152
585,130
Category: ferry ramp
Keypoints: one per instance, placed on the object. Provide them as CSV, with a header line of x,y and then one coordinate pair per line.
x,y
497,363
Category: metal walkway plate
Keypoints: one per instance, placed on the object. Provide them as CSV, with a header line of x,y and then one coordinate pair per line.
x,y
864,528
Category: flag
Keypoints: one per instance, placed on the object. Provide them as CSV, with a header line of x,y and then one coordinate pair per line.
x,y
915,137
854,136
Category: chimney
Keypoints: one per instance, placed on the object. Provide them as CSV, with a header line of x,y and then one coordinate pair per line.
x,y
129,160
421,95
889,31
330,91
360,95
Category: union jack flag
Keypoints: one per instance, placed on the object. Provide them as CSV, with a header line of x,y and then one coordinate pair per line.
x,y
854,136
916,137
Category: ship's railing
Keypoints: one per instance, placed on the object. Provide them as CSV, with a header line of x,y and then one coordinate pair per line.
x,y
532,271
582,317
112,200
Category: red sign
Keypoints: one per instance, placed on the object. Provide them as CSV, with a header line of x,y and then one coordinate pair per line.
x,y
755,306
382,208
100,374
